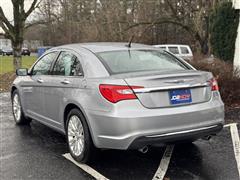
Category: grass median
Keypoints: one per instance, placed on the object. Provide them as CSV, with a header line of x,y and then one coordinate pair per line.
x,y
7,74
6,63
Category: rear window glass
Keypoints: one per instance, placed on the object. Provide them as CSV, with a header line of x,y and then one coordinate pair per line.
x,y
139,60
184,50
173,50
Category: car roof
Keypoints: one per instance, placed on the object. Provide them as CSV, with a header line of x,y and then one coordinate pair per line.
x,y
106,46
160,45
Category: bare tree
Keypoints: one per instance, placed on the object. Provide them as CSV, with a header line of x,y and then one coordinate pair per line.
x,y
192,16
116,20
15,31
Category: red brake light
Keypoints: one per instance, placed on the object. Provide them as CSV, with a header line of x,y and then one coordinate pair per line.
x,y
214,84
115,93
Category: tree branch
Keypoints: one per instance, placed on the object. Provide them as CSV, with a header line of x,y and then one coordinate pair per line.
x,y
174,11
4,20
3,26
35,24
164,21
34,5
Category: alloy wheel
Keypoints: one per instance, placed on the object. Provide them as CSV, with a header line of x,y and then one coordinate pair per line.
x,y
75,135
16,107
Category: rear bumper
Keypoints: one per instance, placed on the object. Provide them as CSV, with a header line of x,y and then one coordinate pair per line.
x,y
167,138
130,125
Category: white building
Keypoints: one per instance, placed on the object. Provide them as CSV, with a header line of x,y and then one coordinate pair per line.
x,y
31,44
5,43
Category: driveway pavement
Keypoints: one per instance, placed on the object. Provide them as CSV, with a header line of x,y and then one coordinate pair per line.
x,y
36,152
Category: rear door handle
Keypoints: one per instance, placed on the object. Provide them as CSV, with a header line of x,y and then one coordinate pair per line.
x,y
65,82
40,80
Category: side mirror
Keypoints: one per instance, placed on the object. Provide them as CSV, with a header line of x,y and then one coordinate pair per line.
x,y
22,72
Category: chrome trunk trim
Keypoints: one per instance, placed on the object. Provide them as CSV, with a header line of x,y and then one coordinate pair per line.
x,y
165,88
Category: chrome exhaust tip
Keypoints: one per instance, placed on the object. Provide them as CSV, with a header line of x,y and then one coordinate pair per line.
x,y
143,149
207,137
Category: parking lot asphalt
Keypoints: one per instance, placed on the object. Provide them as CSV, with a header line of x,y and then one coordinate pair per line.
x,y
36,152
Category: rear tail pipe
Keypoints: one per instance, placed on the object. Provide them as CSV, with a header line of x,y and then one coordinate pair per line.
x,y
143,149
207,137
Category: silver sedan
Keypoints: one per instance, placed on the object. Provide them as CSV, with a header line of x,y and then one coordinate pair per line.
x,y
117,96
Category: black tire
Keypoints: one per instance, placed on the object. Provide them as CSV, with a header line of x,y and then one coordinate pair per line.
x,y
89,150
22,120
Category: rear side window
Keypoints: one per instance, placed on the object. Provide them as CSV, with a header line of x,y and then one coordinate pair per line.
x,y
43,66
139,60
67,64
184,50
173,50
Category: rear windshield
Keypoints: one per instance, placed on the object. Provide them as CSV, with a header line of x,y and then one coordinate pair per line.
x,y
127,61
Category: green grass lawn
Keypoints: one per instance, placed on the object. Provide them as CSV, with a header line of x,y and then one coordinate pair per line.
x,y
6,63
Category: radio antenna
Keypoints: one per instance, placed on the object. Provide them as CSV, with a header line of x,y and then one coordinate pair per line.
x,y
130,41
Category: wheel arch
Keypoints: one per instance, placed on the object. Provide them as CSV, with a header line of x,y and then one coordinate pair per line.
x,y
13,88
68,108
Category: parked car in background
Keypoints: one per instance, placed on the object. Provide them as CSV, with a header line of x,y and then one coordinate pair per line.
x,y
182,51
7,51
117,96
26,52
1,52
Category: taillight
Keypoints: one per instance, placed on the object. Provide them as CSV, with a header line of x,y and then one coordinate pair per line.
x,y
115,93
214,84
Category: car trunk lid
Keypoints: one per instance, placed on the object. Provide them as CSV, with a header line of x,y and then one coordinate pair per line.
x,y
172,88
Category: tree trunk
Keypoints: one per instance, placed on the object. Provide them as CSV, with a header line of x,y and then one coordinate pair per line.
x,y
15,30
203,42
204,47
17,55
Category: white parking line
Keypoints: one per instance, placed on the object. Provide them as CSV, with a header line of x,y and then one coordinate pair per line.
x,y
236,144
86,168
230,124
162,169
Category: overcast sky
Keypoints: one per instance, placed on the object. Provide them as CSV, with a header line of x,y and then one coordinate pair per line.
x,y
8,9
